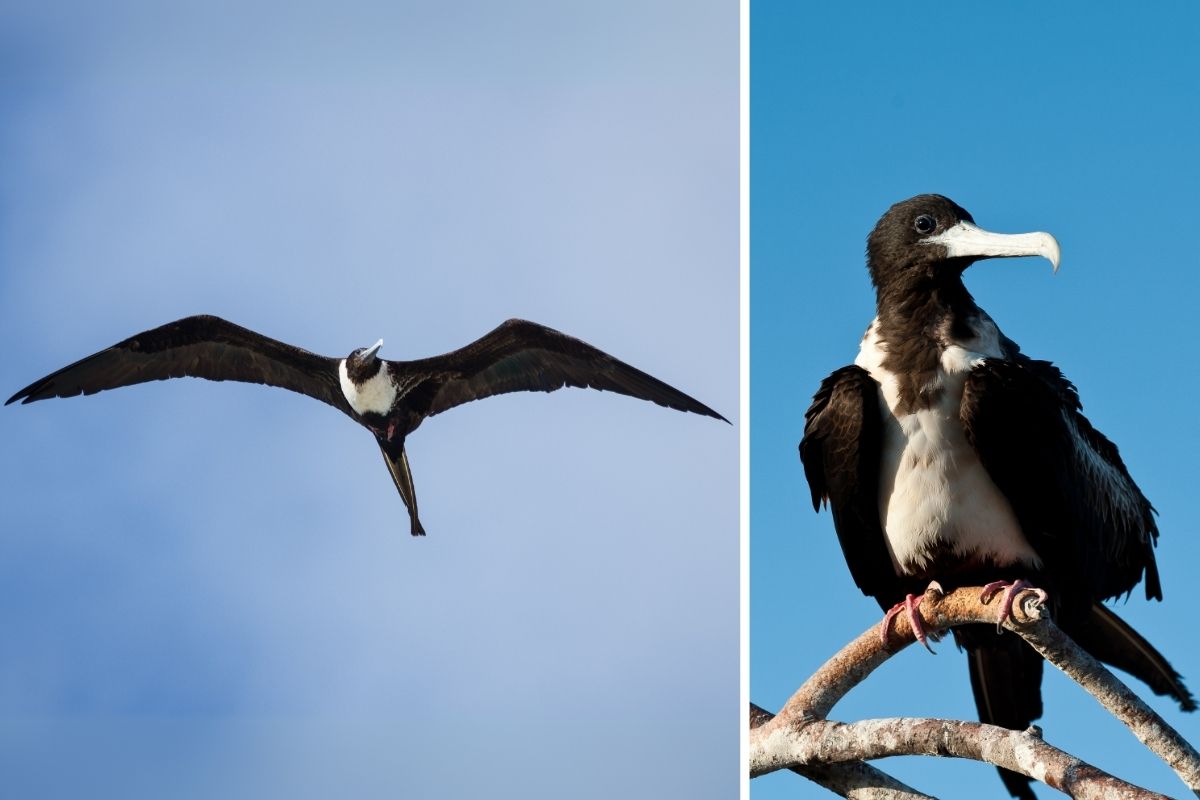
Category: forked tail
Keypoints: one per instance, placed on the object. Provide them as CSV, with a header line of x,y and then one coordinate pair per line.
x,y
397,463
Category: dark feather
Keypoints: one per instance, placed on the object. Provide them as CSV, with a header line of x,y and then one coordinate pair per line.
x,y
521,356
396,459
1070,490
1110,639
840,453
199,347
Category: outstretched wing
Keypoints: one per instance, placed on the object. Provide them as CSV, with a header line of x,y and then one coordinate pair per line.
x,y
841,455
1071,492
521,356
200,347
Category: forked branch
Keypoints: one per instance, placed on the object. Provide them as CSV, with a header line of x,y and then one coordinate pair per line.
x,y
800,737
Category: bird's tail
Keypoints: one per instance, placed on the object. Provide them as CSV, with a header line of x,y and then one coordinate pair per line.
x,y
397,463
1110,639
1006,678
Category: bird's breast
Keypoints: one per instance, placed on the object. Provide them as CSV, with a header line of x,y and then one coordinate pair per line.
x,y
935,497
376,395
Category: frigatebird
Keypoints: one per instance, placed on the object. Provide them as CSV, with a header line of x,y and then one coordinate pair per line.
x,y
389,398
947,455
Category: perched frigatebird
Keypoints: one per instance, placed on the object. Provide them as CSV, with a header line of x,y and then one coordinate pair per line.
x,y
390,398
947,455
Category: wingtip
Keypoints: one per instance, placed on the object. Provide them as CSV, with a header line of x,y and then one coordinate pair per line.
x,y
29,394
703,411
696,407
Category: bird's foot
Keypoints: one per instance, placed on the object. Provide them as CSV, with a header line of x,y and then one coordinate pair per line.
x,y
909,606
391,430
1010,593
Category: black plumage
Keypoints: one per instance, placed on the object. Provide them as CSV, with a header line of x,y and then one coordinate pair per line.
x,y
946,454
390,398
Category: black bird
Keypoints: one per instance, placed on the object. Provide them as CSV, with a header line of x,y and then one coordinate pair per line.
x,y
390,398
946,454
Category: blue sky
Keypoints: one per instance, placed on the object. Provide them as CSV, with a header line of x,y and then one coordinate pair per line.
x,y
1060,117
209,589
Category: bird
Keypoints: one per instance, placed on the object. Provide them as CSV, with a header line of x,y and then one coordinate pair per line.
x,y
947,455
389,398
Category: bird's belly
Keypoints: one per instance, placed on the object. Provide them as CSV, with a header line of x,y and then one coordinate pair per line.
x,y
937,501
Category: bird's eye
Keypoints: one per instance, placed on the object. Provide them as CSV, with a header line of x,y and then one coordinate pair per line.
x,y
925,224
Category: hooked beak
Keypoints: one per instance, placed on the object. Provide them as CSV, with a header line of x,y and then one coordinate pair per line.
x,y
967,240
372,350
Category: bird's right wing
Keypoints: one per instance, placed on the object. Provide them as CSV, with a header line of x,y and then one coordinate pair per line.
x,y
198,347
522,356
841,456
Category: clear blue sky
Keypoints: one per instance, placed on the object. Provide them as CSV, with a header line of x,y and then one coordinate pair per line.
x,y
1066,117
208,590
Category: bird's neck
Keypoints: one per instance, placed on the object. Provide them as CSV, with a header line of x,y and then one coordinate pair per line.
x,y
915,324
923,311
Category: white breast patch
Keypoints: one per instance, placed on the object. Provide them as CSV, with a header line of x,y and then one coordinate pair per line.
x,y
375,396
933,490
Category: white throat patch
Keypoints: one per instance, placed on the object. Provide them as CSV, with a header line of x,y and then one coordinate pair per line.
x,y
375,396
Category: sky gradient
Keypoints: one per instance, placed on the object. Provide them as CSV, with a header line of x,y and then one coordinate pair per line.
x,y
209,589
1060,117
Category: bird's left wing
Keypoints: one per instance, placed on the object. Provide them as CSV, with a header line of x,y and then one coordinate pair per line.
x,y
521,356
841,455
200,347
1066,482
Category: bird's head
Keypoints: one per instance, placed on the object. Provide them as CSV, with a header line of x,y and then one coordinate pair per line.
x,y
363,363
929,238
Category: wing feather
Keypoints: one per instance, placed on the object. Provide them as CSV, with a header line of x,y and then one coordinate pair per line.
x,y
841,456
199,347
521,356
1068,486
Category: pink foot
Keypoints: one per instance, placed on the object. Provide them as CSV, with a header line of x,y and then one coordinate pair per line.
x,y
391,430
1010,593
909,605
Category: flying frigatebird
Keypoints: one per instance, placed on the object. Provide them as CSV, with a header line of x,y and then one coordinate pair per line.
x,y
390,398
947,455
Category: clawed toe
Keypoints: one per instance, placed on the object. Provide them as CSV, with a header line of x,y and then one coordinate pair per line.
x,y
1010,592
909,606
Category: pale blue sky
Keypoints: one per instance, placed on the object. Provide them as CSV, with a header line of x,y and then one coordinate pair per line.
x,y
209,589
1067,117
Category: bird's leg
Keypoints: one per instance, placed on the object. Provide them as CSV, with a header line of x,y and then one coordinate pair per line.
x,y
909,605
1010,593
387,434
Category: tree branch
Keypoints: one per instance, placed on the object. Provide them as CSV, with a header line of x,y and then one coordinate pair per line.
x,y
813,701
854,780
825,741
1035,626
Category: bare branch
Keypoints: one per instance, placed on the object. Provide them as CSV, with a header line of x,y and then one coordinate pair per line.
x,y
1031,622
1021,751
854,780
816,698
